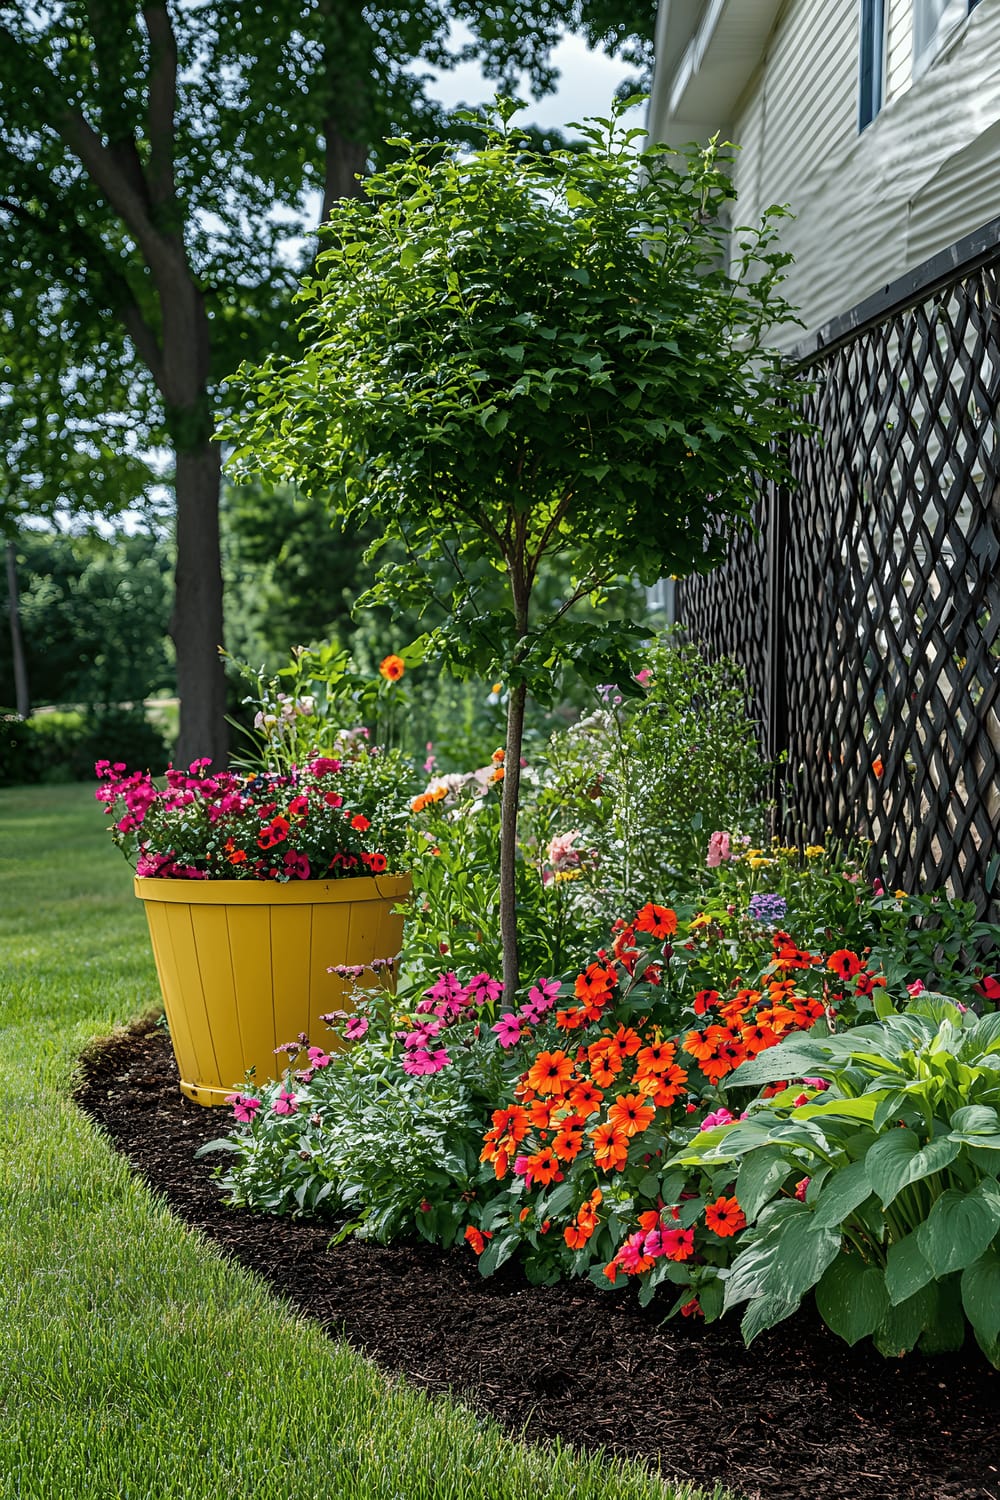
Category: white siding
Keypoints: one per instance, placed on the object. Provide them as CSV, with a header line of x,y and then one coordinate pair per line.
x,y
868,207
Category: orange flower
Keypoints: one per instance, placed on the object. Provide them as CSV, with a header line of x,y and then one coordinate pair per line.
x,y
585,1099
729,1056
877,766
477,1238
542,1167
703,1000
610,1147
568,1142
844,963
392,668
698,1045
572,1018
663,1089
655,1059
658,921
540,1112
631,1114
550,1073
758,1037
724,1217
595,983
605,1061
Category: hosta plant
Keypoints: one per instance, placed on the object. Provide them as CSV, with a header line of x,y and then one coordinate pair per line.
x,y
878,1188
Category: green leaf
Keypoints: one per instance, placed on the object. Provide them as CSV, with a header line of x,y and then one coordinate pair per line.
x,y
784,1263
499,1249
981,1296
790,1059
907,1269
898,1159
848,1188
904,1324
760,1176
764,1313
959,1227
944,1330
852,1297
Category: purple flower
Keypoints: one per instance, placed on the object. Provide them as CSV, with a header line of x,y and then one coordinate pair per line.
x,y
767,909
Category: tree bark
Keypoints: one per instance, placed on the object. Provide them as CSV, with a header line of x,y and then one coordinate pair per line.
x,y
508,841
22,701
196,623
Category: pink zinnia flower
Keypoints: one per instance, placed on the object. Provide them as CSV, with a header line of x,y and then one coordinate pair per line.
x,y
482,988
422,1060
508,1030
244,1107
285,1104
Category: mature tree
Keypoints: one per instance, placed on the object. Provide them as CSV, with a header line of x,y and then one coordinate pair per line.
x,y
521,357
159,159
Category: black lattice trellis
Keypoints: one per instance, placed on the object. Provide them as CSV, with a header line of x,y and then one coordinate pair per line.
x,y
866,610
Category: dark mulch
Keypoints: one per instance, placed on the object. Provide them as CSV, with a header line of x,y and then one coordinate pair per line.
x,y
798,1415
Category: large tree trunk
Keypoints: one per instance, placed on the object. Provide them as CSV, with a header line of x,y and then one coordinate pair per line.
x,y
22,701
196,624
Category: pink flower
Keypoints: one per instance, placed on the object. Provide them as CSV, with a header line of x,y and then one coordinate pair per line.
x,y
719,849
285,1104
718,1117
244,1107
421,1060
562,853
816,1083
324,766
543,994
916,988
295,866
508,1029
356,1028
318,1058
643,677
481,988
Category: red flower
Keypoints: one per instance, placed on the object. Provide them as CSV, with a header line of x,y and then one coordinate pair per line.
x,y
275,833
477,1238
360,822
724,1217
844,963
658,921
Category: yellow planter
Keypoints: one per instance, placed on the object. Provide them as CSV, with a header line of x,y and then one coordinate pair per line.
x,y
242,965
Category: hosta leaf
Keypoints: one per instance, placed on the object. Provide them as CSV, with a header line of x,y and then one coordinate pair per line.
x,y
907,1269
898,1159
841,1196
904,1324
760,1176
976,1119
793,1059
945,1328
764,1313
785,1263
852,1297
981,1296
958,1228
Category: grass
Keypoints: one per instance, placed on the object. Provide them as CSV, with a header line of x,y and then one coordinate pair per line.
x,y
135,1364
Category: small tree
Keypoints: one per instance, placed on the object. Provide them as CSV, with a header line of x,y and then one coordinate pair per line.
x,y
522,355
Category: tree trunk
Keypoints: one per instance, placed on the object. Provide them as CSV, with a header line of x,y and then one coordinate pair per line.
x,y
196,623
22,701
345,163
508,841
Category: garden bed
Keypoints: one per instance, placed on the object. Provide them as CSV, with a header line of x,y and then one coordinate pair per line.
x,y
799,1414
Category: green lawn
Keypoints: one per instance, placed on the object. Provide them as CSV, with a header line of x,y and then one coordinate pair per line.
x,y
134,1363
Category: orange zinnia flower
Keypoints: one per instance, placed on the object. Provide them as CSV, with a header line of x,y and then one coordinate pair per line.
x,y
550,1073
627,1040
658,921
703,1000
663,1089
631,1114
585,1099
572,1018
595,983
758,1037
696,1044
845,963
729,1056
392,668
655,1059
568,1142
724,1217
542,1167
605,1061
610,1147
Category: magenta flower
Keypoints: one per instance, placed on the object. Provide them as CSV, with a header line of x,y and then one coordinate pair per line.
x,y
718,1117
482,988
318,1058
422,1060
508,1030
285,1104
631,1252
244,1107
355,1029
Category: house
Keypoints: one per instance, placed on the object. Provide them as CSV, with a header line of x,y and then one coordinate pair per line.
x,y
876,121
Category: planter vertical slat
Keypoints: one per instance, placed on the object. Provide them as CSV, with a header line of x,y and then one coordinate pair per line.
x,y
244,966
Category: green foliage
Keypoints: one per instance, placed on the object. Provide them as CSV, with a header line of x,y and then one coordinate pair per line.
x,y
94,613
642,781
59,747
897,1230
524,356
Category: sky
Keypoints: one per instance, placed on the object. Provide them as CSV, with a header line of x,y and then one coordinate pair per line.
x,y
586,87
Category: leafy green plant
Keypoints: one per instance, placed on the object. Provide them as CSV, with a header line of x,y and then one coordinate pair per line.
x,y
896,1222
517,356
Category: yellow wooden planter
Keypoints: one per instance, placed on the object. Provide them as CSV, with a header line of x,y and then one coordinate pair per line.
x,y
243,965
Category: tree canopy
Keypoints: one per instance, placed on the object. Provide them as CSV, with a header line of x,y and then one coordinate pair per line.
x,y
161,162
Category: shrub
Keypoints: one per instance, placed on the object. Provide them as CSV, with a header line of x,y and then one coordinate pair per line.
x,y
63,746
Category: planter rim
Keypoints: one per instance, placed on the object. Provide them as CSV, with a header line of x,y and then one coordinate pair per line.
x,y
272,892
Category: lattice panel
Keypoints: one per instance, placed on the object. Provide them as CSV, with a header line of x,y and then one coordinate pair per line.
x,y
888,607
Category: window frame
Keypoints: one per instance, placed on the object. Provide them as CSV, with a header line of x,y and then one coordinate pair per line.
x,y
944,33
872,28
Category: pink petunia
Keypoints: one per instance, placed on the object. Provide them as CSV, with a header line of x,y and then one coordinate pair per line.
x,y
318,1058
421,1060
356,1028
285,1104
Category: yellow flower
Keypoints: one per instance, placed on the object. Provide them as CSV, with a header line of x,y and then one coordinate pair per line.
x,y
899,895
567,875
699,921
813,849
755,864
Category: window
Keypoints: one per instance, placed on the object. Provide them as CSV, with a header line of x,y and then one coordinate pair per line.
x,y
933,23
871,70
